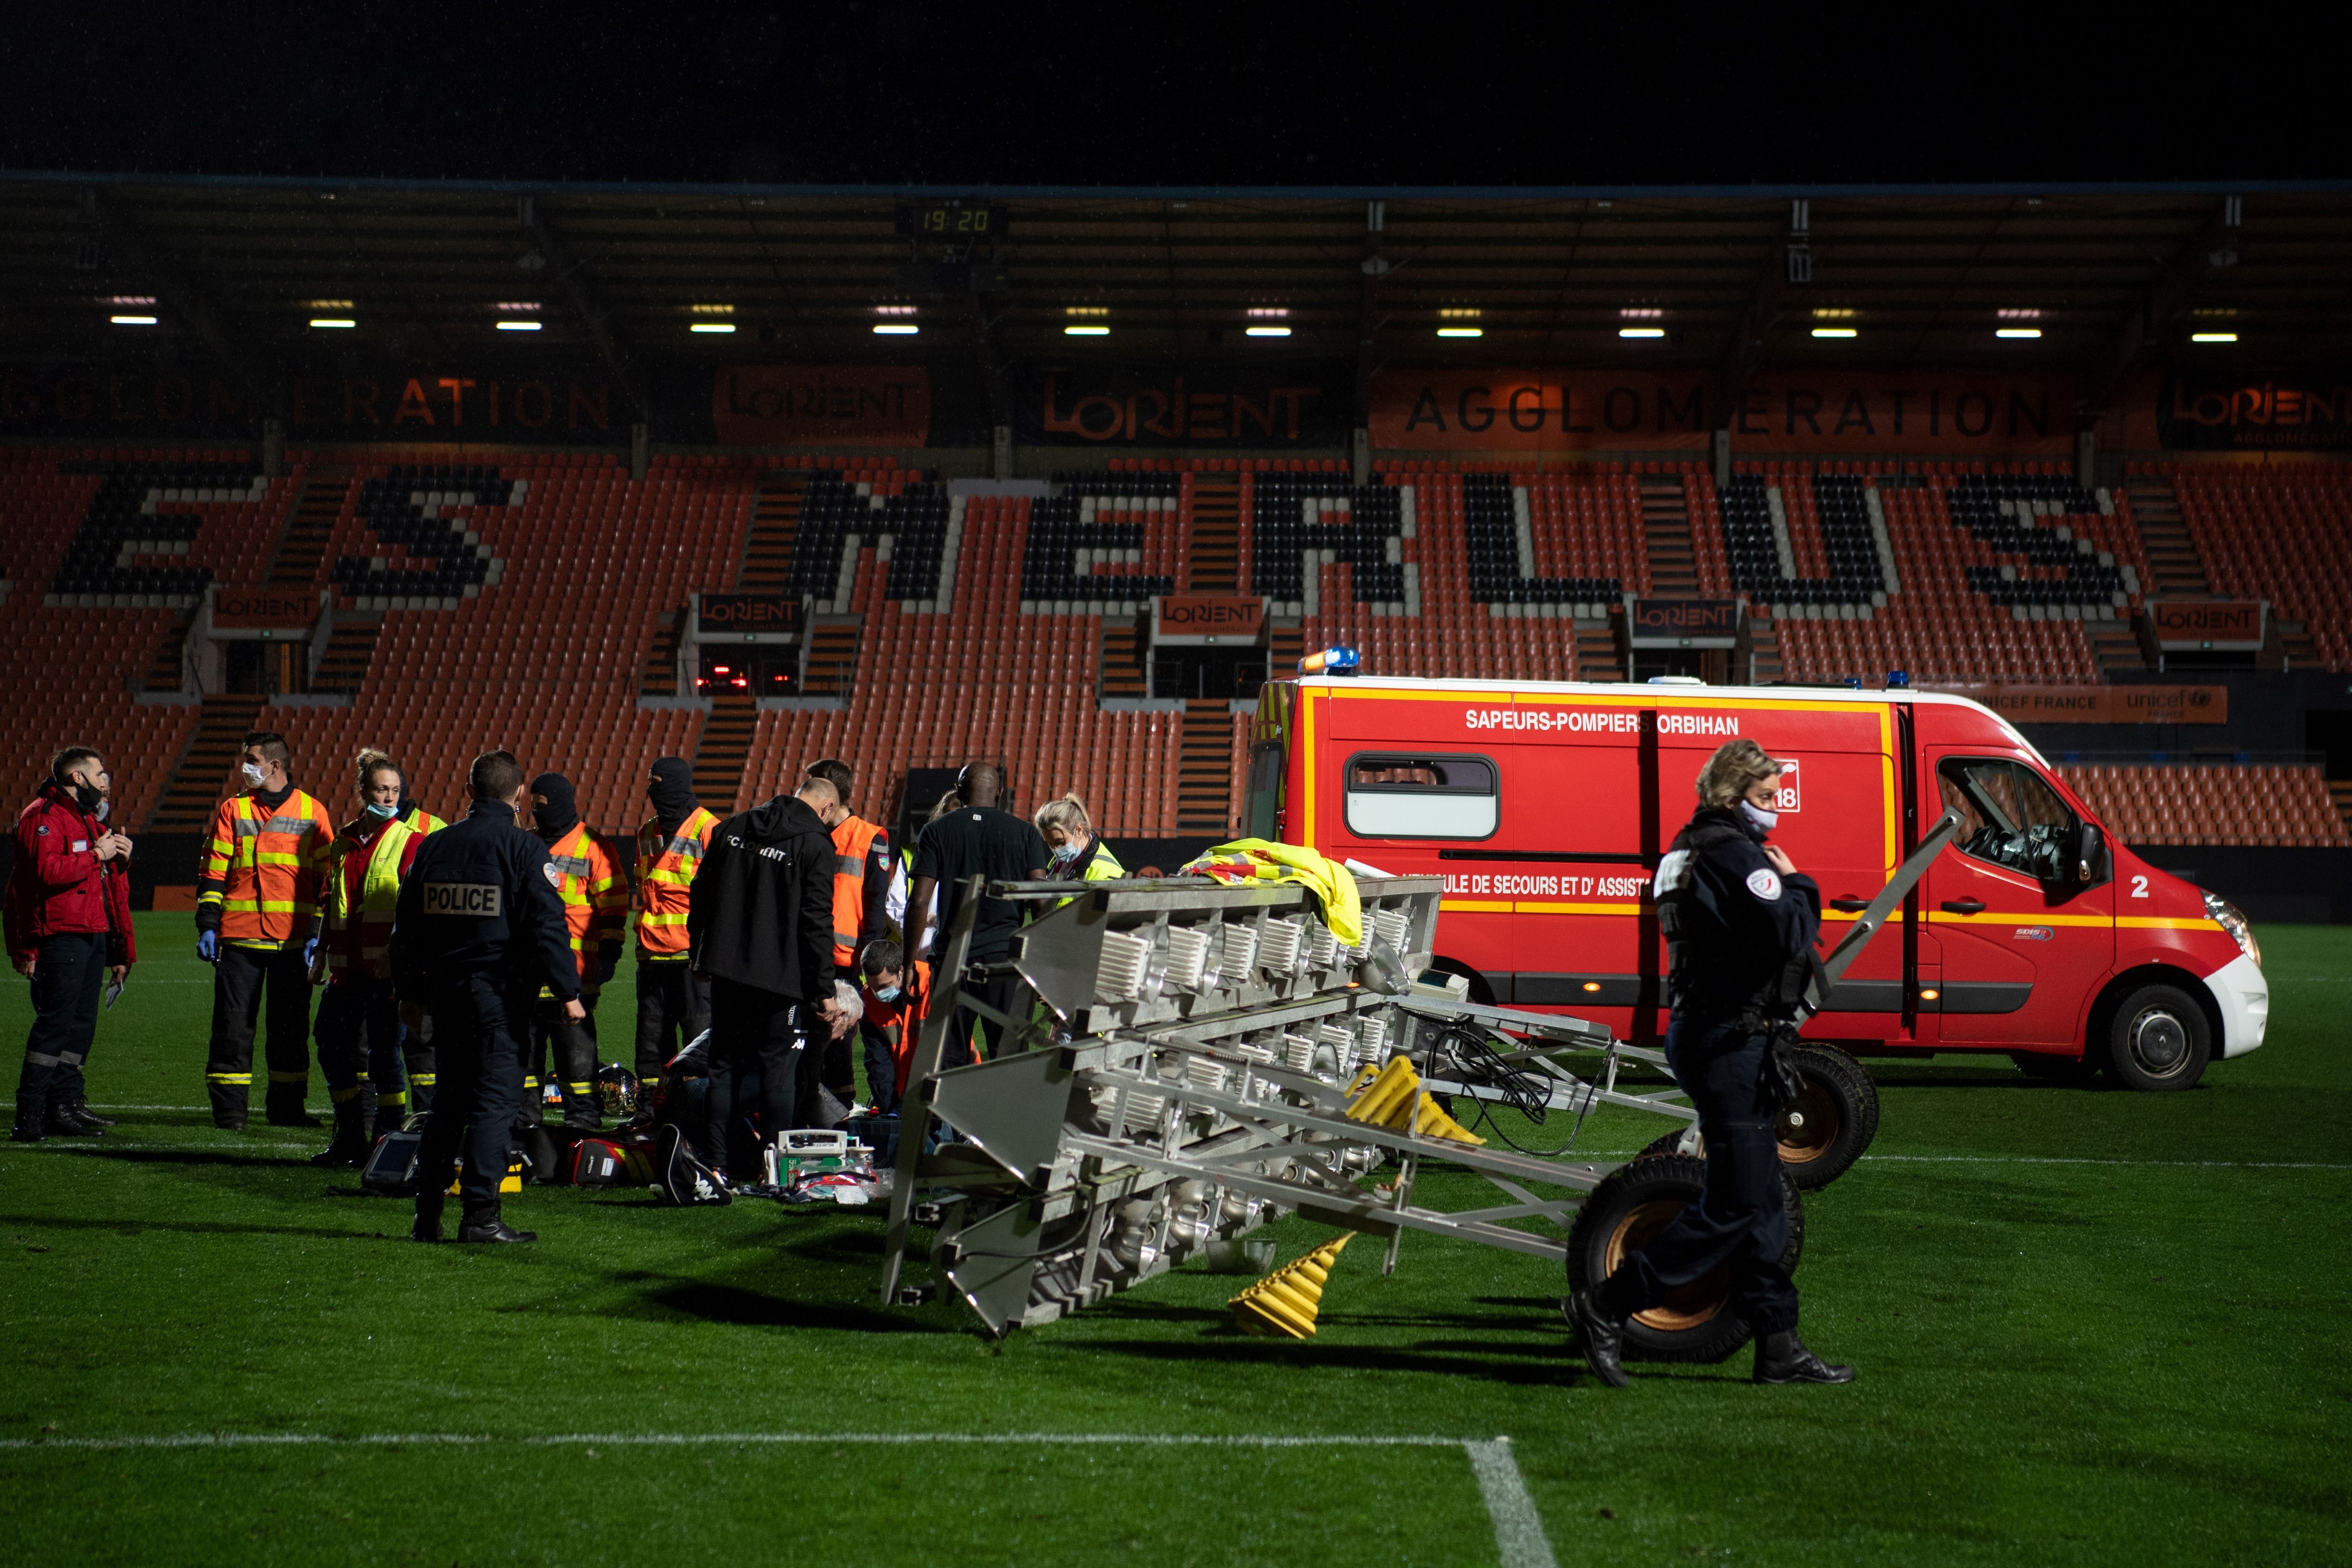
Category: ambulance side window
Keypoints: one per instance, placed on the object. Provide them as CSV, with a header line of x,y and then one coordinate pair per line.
x,y
1399,795
2008,816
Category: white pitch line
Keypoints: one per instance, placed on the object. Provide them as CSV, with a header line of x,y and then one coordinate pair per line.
x,y
1519,1539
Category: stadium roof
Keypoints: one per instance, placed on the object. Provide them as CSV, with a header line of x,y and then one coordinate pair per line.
x,y
2112,277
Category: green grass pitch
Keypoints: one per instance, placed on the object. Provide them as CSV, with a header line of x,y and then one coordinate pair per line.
x,y
2093,1327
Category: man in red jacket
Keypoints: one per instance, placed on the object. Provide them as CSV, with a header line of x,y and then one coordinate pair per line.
x,y
69,929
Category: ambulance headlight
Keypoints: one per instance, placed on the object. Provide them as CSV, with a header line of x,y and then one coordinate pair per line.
x,y
2228,916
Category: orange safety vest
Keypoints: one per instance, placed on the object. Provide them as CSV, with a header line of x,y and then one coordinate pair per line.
x,y
852,842
897,1021
379,896
666,869
263,872
595,898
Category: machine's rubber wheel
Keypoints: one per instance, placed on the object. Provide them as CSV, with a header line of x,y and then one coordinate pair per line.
x,y
2054,1069
1825,1131
1830,1125
2158,1038
1632,1203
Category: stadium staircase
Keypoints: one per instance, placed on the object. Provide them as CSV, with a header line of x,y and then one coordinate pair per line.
x,y
1215,563
318,506
660,679
726,743
1666,534
1205,786
199,777
344,662
2174,569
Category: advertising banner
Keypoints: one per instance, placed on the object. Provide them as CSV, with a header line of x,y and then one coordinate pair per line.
x,y
822,405
1246,407
1683,622
2205,411
256,610
2234,623
1199,620
747,618
2101,704
1825,414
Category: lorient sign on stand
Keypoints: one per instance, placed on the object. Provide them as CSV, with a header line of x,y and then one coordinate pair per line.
x,y
2199,624
1202,620
747,618
259,611
1683,622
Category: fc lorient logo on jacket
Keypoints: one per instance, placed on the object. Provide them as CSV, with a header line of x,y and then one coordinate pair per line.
x,y
735,841
1604,720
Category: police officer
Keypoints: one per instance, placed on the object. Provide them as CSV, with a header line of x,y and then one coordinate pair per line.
x,y
1740,922
480,929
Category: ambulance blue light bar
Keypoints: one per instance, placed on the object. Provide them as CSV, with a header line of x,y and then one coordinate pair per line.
x,y
1338,661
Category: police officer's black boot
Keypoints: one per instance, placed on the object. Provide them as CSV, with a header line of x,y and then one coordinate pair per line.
x,y
1602,1331
83,1112
485,1225
1783,1358
427,1227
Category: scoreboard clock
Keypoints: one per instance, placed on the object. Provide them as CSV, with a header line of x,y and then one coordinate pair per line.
x,y
953,221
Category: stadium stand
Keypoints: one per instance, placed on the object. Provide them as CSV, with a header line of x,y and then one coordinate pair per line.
x,y
537,600
2275,534
2285,805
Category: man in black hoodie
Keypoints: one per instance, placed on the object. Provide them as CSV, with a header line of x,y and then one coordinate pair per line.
x,y
762,928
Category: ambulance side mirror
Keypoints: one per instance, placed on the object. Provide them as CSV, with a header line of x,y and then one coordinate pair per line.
x,y
2089,853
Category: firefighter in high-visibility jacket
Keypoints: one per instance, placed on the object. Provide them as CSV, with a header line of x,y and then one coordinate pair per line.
x,y
862,870
256,924
358,1026
596,914
673,1002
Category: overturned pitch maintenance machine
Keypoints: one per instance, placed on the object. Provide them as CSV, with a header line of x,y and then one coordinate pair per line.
x,y
1191,1060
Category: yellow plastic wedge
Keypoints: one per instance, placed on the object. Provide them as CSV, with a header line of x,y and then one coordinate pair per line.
x,y
1284,1304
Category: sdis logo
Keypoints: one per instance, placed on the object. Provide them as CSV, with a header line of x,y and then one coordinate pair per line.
x,y
1787,800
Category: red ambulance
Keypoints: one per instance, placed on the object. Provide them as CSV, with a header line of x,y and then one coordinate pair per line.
x,y
1545,806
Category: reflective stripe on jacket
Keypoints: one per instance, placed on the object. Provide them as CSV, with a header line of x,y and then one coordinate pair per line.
x,y
387,856
666,869
260,873
595,897
853,844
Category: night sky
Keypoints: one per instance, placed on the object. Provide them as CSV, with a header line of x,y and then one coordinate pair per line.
x,y
1431,94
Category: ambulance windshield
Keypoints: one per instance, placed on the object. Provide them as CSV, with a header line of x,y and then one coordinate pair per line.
x,y
2010,816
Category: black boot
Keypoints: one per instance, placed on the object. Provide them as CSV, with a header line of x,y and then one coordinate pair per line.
x,y
427,1227
26,1132
80,1107
63,1121
1783,1358
486,1225
1602,1334
349,1149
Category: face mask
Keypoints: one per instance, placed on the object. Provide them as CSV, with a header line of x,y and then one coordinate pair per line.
x,y
382,811
1066,857
886,994
1760,817
256,776
89,800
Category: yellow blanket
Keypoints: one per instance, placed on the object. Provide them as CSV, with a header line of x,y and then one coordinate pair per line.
x,y
1248,859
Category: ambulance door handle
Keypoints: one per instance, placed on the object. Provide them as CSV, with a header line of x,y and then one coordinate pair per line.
x,y
1850,905
1964,906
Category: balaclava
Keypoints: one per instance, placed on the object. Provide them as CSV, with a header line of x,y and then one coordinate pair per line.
x,y
561,813
671,792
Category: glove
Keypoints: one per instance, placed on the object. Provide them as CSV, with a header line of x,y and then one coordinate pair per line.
x,y
309,953
608,959
208,946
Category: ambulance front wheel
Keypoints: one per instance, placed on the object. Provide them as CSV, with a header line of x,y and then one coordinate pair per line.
x,y
1632,1205
2158,1038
